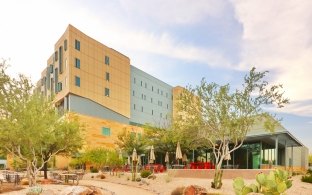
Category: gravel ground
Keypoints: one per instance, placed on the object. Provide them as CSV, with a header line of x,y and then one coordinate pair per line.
x,y
163,185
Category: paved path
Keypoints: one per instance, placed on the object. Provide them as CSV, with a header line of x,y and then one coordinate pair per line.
x,y
118,189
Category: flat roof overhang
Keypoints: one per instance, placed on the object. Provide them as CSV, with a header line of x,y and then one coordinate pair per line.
x,y
285,138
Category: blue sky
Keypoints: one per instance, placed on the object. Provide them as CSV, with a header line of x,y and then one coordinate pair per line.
x,y
178,41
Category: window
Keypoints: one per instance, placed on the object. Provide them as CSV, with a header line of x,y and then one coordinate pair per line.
x,y
107,76
56,80
59,86
77,81
145,85
77,44
61,59
152,112
106,131
65,44
56,56
141,83
167,106
133,93
51,68
106,92
144,97
133,80
133,106
142,108
77,63
151,100
152,88
161,93
106,60
158,91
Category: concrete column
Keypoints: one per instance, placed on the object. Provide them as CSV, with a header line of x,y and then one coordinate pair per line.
x,y
285,154
68,102
276,149
292,157
65,103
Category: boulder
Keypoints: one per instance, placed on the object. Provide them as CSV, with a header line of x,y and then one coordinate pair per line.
x,y
151,176
195,190
77,190
24,181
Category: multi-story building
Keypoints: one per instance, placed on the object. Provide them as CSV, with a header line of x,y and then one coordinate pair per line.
x,y
109,95
106,92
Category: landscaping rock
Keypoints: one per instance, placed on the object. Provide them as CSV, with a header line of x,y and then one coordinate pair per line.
x,y
77,190
178,191
195,190
151,177
24,181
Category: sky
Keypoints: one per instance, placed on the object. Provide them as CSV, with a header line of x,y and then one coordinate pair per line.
x,y
178,41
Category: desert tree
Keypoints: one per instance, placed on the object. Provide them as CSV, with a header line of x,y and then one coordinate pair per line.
x,y
222,116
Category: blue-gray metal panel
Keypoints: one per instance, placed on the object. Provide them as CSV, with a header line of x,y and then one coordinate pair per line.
x,y
88,107
149,82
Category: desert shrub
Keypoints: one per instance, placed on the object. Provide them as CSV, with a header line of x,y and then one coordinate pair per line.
x,y
138,179
145,173
34,190
94,170
178,191
307,177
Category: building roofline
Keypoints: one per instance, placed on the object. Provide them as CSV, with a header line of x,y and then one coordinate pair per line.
x,y
151,76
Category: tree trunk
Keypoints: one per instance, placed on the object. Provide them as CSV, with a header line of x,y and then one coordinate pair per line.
x,y
217,180
45,169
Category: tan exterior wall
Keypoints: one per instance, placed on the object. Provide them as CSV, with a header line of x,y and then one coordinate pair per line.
x,y
92,72
176,93
93,131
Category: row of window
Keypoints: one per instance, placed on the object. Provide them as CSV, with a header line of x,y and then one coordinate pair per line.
x,y
77,83
77,47
152,112
160,103
107,132
161,92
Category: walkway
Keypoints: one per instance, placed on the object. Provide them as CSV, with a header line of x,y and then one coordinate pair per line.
x,y
118,189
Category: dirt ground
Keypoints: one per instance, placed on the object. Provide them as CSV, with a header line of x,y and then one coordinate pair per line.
x,y
163,184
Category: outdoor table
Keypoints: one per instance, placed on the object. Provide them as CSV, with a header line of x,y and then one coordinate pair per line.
x,y
67,175
178,166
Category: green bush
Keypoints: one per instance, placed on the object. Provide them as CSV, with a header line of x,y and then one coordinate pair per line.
x,y
94,170
276,182
308,177
145,173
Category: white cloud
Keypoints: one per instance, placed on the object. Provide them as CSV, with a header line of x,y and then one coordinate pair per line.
x,y
277,36
164,12
34,26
